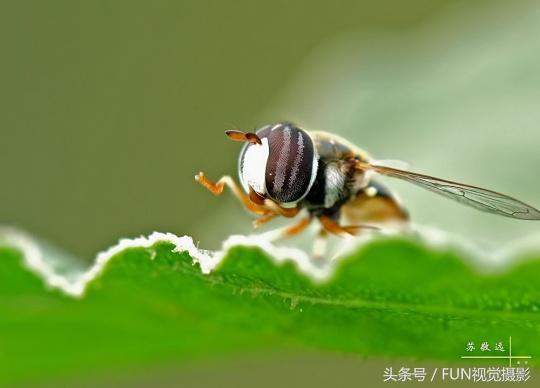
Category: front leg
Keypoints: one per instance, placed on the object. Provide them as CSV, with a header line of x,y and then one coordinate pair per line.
x,y
282,211
217,189
275,210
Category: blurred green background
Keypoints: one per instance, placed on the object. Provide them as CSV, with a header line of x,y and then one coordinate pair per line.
x,y
109,108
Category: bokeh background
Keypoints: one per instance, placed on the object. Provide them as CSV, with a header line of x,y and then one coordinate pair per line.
x,y
109,108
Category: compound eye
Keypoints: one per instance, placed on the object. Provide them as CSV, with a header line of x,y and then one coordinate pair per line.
x,y
292,164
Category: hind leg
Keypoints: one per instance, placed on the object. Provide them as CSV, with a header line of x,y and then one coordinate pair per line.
x,y
334,227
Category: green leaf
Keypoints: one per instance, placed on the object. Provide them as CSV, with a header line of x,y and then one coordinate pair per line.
x,y
144,305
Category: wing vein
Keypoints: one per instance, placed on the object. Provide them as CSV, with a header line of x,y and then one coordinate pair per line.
x,y
482,199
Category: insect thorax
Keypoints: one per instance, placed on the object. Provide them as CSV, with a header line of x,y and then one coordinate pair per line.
x,y
337,180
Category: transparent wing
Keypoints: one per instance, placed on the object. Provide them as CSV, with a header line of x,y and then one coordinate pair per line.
x,y
481,199
392,163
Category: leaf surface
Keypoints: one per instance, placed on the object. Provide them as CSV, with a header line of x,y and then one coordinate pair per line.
x,y
393,297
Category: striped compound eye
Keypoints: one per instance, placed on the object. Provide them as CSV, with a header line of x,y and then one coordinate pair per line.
x,y
284,167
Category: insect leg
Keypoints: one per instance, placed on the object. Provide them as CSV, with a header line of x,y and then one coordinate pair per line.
x,y
217,189
285,212
319,245
294,229
333,227
264,219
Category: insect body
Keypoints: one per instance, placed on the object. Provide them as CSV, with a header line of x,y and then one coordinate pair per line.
x,y
284,169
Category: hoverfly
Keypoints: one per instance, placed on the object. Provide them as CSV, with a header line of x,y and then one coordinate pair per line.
x,y
284,169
